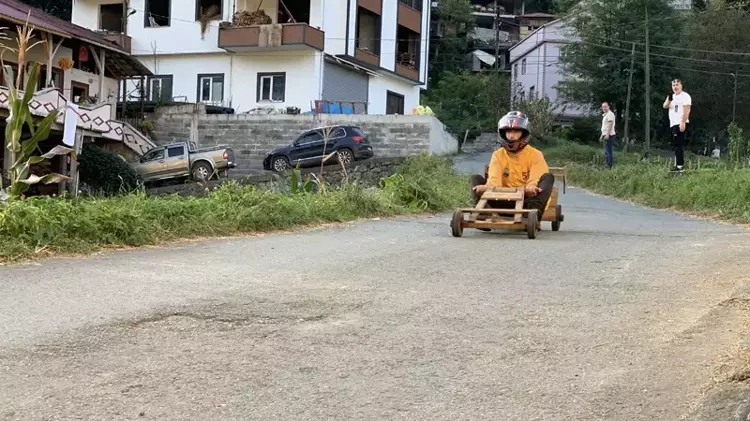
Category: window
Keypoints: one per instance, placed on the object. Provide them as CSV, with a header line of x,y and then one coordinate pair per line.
x,y
309,138
211,88
160,88
515,70
337,132
414,4
394,103
407,47
523,66
154,155
531,93
110,17
176,151
157,13
210,8
368,31
271,87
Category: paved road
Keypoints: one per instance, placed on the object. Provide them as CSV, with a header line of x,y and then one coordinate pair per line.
x,y
625,314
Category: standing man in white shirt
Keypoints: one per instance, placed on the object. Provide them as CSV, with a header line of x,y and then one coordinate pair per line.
x,y
679,104
608,134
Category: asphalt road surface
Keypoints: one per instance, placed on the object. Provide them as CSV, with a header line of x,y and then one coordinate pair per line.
x,y
624,314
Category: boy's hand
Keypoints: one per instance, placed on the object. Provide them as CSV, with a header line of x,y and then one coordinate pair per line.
x,y
481,188
532,190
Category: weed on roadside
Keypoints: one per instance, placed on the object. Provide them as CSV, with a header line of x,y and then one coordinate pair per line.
x,y
57,225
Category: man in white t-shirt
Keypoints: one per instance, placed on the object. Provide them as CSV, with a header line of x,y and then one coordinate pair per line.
x,y
608,134
679,104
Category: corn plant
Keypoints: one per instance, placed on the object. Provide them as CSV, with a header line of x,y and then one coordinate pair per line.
x,y
23,152
736,145
296,185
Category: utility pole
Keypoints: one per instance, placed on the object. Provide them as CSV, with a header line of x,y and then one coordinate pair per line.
x,y
647,143
734,103
497,37
627,102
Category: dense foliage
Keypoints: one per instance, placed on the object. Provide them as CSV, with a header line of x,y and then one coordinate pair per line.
x,y
106,173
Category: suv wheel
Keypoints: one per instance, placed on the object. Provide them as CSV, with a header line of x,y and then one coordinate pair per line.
x,y
345,156
280,164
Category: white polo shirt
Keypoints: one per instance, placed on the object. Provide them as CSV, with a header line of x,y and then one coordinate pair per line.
x,y
677,108
606,118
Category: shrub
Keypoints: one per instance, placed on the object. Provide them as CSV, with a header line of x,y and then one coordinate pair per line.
x,y
427,183
583,130
106,173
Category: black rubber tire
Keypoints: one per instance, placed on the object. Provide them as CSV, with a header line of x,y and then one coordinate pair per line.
x,y
531,225
281,160
559,216
457,224
346,154
201,168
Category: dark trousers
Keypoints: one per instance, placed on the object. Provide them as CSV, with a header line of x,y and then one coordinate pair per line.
x,y
609,152
678,142
538,202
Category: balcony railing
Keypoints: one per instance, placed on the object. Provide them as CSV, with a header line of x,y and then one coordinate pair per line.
x,y
248,38
122,40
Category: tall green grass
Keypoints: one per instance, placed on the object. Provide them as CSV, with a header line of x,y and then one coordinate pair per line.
x,y
56,225
708,187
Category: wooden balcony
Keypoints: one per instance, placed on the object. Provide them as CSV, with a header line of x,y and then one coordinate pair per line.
x,y
367,57
122,40
409,17
407,72
265,37
374,6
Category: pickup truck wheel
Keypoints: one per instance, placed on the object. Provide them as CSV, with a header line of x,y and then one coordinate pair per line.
x,y
280,164
202,171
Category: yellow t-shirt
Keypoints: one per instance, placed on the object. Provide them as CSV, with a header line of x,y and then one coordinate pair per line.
x,y
520,169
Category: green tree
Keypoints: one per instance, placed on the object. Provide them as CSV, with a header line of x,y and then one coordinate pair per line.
x,y
598,62
542,6
466,101
720,27
58,8
448,52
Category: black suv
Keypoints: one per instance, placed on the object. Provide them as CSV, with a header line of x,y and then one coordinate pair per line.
x,y
309,149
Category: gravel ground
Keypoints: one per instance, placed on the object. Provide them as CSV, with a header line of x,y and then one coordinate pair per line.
x,y
625,314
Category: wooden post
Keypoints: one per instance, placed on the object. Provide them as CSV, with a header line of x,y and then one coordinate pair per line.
x,y
100,64
74,164
53,49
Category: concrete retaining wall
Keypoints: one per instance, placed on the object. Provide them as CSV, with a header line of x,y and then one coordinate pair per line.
x,y
253,136
485,142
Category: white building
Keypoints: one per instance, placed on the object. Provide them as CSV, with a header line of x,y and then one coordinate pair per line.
x,y
370,52
536,68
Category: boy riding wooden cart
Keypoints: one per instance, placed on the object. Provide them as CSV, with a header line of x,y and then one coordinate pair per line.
x,y
517,190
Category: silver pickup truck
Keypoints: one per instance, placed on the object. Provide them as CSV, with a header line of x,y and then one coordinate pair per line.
x,y
182,159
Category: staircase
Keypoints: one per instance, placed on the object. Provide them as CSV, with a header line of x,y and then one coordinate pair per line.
x,y
135,140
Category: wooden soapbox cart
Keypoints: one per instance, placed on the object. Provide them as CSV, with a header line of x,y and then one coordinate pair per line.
x,y
517,217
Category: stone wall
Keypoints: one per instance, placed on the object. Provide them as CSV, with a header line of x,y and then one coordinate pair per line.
x,y
366,173
253,136
485,142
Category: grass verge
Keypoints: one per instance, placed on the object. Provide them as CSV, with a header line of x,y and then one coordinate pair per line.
x,y
48,225
707,188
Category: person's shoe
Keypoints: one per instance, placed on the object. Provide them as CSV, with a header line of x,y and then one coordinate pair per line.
x,y
677,168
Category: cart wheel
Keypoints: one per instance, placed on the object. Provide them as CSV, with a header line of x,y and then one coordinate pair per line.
x,y
559,216
531,225
457,224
